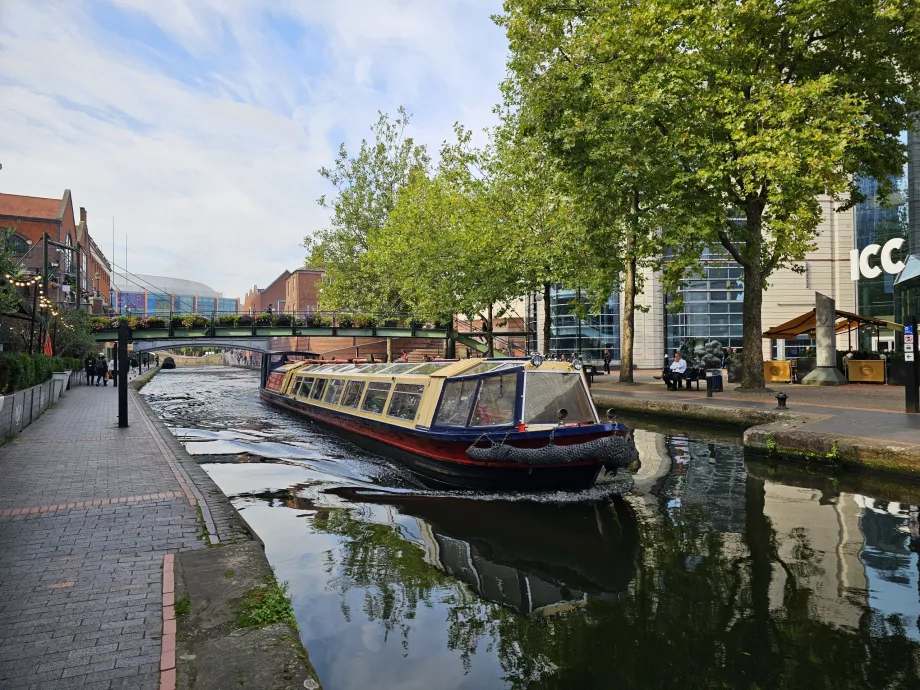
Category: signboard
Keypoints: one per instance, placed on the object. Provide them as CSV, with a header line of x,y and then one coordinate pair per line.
x,y
908,330
909,339
859,260
908,356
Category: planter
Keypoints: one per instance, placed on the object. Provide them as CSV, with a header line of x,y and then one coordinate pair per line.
x,y
866,371
804,366
58,383
391,332
777,371
431,333
356,332
311,331
274,330
189,332
105,336
233,331
142,333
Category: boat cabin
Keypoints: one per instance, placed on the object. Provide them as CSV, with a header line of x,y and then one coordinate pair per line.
x,y
473,394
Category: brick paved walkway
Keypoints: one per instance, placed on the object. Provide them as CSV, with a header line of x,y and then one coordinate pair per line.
x,y
87,513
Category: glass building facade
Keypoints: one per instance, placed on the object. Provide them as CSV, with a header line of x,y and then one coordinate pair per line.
x,y
877,221
712,305
588,336
162,296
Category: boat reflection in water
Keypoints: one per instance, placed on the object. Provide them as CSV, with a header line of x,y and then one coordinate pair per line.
x,y
527,556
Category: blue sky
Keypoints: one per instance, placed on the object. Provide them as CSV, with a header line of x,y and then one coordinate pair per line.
x,y
199,126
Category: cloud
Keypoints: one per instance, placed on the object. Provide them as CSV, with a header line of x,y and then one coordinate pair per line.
x,y
199,126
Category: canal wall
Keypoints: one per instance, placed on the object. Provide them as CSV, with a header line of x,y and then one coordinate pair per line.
x,y
857,441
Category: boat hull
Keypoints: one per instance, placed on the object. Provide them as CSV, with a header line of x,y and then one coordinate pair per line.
x,y
440,463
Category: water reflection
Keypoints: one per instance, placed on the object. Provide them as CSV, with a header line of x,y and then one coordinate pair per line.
x,y
730,573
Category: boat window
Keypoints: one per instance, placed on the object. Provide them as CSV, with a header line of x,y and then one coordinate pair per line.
x,y
430,367
305,387
546,393
376,397
335,390
455,402
352,395
405,401
296,385
483,367
371,368
401,368
319,388
496,400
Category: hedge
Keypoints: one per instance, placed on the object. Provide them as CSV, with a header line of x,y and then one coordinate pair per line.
x,y
19,370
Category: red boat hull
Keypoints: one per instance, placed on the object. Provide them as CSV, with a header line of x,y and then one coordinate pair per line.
x,y
444,463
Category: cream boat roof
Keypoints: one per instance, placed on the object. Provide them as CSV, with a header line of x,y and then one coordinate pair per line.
x,y
463,367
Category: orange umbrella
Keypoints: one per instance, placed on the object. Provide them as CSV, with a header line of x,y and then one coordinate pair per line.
x,y
48,345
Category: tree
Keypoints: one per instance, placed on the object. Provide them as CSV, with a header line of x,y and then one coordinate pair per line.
x,y
367,189
755,107
10,298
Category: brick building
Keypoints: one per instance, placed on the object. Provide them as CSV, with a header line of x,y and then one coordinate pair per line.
x,y
258,299
302,289
30,218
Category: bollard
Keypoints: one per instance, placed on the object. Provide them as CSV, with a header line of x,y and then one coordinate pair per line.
x,y
708,384
781,401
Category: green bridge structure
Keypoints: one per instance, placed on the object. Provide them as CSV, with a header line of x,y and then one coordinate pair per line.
x,y
199,331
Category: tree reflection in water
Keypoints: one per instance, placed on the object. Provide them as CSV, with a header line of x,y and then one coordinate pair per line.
x,y
677,602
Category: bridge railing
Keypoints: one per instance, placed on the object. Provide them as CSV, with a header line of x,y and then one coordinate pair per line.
x,y
171,324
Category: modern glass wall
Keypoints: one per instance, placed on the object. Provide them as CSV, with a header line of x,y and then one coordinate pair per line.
x,y
588,336
877,221
159,304
712,305
207,305
228,306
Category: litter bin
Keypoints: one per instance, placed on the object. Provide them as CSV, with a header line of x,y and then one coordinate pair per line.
x,y
714,380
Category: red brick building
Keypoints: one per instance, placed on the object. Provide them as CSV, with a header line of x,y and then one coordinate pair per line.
x,y
258,299
30,218
302,289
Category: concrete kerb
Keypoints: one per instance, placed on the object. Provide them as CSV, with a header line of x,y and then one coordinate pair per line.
x,y
781,435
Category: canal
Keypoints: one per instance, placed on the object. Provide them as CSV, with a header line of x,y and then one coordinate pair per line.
x,y
715,571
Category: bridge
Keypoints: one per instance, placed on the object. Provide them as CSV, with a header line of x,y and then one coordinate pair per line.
x,y
244,332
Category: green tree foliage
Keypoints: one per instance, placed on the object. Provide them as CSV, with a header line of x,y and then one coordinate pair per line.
x,y
367,189
9,294
747,111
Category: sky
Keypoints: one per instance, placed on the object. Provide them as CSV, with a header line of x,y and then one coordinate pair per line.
x,y
199,126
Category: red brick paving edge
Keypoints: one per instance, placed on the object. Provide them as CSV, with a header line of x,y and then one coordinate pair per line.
x,y
168,639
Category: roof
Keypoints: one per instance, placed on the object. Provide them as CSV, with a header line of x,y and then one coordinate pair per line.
x,y
910,272
807,321
33,206
138,282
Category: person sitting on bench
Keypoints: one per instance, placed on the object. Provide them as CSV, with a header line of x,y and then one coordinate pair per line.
x,y
675,374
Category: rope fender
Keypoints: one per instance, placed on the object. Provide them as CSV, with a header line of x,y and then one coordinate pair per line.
x,y
614,452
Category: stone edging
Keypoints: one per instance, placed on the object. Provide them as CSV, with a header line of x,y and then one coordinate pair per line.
x,y
781,435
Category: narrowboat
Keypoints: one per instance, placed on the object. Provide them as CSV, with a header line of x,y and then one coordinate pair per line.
x,y
503,424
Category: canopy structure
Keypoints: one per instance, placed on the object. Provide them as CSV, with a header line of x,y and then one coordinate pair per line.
x,y
805,324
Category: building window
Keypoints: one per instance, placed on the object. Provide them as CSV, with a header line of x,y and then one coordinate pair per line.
x,y
590,336
16,244
184,304
712,305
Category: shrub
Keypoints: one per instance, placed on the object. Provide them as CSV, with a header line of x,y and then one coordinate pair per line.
x,y
265,319
175,321
365,321
103,323
227,320
346,321
315,320
283,320
243,320
194,321
153,322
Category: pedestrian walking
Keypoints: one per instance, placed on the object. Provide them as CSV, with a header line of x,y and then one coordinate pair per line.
x,y
102,369
134,364
89,366
156,360
606,361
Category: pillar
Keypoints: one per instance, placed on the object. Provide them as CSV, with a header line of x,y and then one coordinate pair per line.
x,y
826,372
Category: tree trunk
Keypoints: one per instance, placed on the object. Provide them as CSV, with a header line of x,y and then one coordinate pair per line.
x,y
490,337
547,318
752,330
628,320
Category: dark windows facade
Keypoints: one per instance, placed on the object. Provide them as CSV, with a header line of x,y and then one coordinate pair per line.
x,y
588,336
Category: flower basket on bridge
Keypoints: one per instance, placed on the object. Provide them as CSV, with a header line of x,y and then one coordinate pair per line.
x,y
355,332
238,325
148,327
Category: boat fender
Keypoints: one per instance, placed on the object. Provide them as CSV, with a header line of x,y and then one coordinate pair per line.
x,y
614,452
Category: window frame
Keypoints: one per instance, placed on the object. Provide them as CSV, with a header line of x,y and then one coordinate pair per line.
x,y
479,378
360,397
386,400
319,391
299,393
584,387
420,394
330,388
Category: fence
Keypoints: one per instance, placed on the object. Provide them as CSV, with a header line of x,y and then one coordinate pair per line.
x,y
21,408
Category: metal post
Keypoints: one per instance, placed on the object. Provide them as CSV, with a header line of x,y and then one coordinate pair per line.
x,y
78,275
708,384
122,373
34,309
912,382
45,263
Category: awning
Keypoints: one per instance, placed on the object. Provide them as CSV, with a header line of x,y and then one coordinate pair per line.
x,y
805,324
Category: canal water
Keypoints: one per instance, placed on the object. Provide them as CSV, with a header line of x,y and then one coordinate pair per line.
x,y
713,571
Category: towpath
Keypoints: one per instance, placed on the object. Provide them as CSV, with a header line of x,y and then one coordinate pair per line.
x,y
89,516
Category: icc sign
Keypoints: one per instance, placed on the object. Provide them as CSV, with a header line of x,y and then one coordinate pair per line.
x,y
859,260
